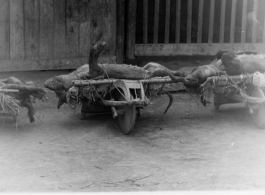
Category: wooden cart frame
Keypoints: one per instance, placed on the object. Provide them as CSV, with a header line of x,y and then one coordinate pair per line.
x,y
129,96
240,89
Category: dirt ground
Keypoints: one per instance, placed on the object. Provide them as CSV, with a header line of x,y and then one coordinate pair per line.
x,y
189,148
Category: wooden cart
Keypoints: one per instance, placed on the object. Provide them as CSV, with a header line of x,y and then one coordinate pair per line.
x,y
123,98
247,89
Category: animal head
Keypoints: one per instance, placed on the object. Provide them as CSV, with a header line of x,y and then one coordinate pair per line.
x,y
194,78
54,84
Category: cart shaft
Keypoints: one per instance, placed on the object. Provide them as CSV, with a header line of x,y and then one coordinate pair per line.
x,y
111,81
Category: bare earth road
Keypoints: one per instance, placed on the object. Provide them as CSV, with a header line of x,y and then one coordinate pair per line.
x,y
189,148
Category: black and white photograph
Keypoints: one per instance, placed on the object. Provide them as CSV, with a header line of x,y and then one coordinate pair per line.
x,y
132,96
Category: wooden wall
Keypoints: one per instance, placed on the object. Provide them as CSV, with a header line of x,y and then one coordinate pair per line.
x,y
199,27
54,34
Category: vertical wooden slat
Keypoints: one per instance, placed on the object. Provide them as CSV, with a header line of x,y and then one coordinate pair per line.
x,y
16,29
233,21
189,21
72,27
60,43
200,21
131,25
254,28
96,15
177,37
145,26
120,31
264,29
109,25
84,28
211,21
156,20
167,21
222,21
4,29
46,28
32,28
244,18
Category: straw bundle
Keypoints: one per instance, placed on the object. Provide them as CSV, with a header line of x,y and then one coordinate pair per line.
x,y
9,105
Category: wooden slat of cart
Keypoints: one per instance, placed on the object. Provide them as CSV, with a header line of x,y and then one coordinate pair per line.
x,y
4,29
46,29
244,21
200,20
222,22
167,20
16,29
177,36
233,21
145,26
254,28
211,22
156,20
189,20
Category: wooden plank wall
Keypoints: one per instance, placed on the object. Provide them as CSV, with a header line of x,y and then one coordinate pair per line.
x,y
224,34
54,34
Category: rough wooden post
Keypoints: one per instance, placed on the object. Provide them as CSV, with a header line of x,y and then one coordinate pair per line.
x,y
120,31
130,29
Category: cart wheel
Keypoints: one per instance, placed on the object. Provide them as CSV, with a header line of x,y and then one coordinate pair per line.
x,y
258,117
126,117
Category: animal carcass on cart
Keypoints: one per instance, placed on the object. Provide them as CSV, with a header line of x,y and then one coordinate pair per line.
x,y
124,98
245,88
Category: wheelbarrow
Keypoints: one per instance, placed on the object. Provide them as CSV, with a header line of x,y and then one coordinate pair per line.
x,y
123,98
247,89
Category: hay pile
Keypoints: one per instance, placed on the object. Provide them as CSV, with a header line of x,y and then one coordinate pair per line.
x,y
9,106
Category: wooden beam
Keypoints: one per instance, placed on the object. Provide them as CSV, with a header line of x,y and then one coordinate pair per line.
x,y
131,25
200,21
167,21
192,48
233,21
189,21
156,21
254,27
120,31
222,22
145,26
211,21
4,29
177,36
244,22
